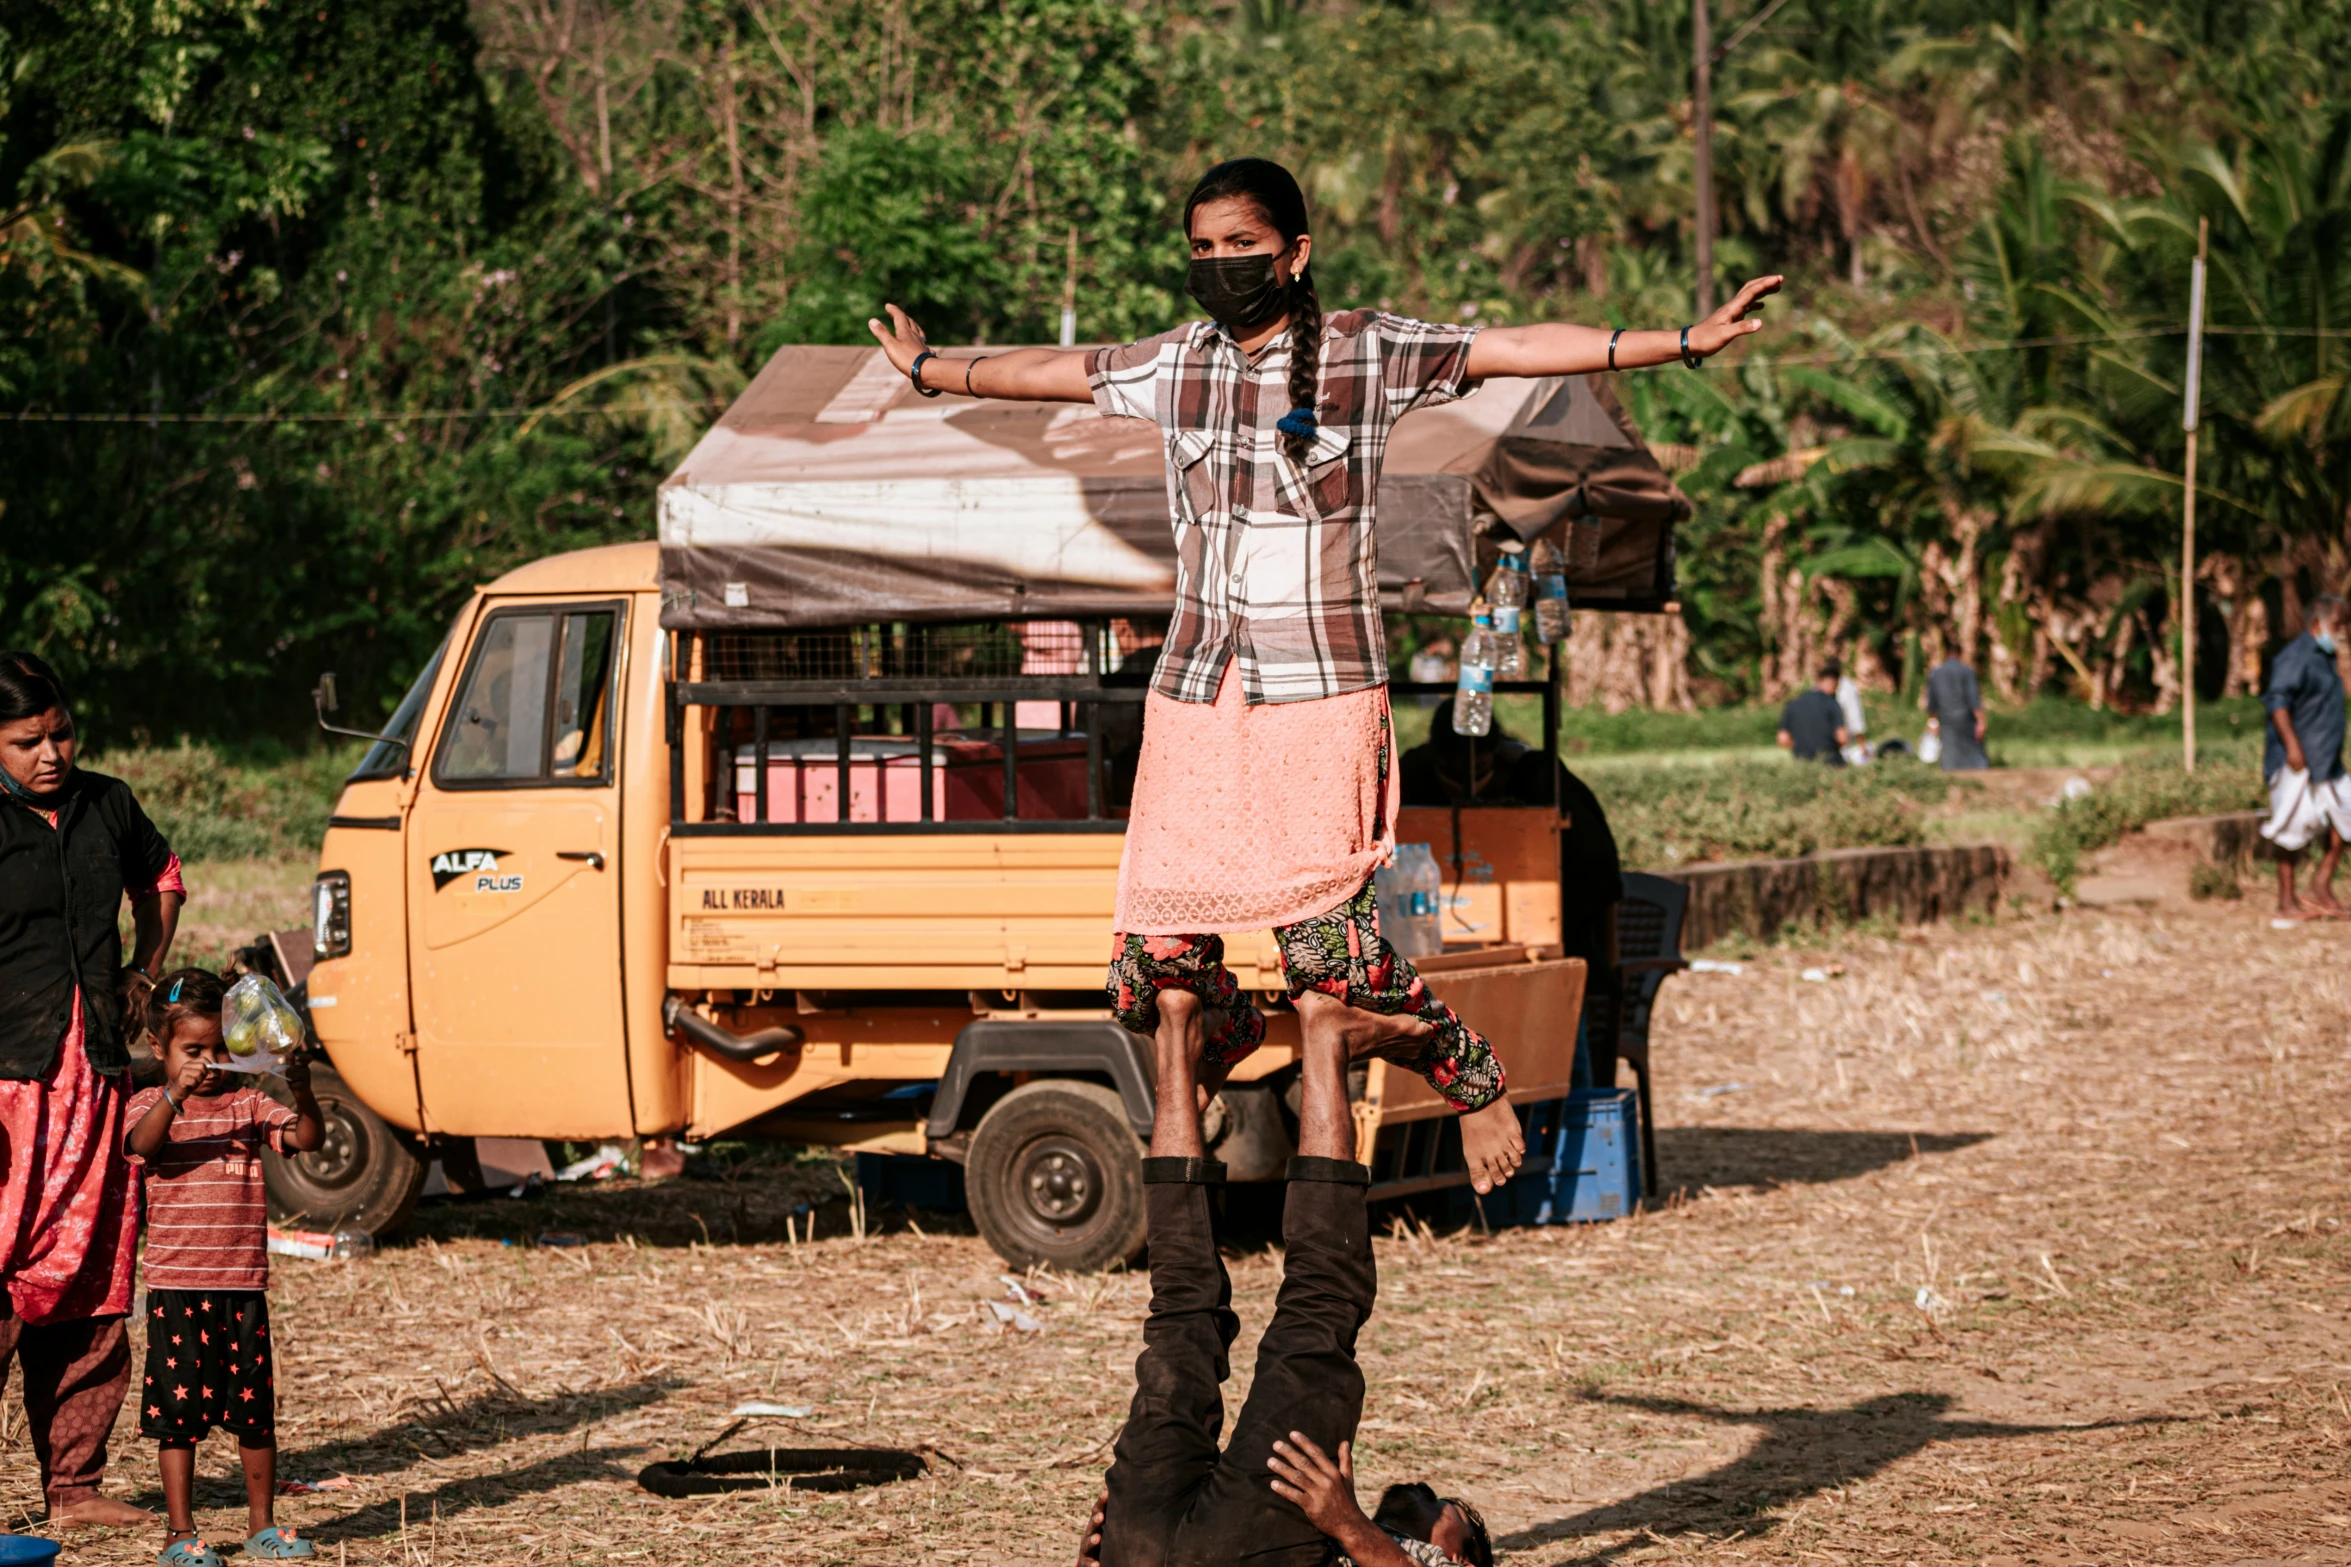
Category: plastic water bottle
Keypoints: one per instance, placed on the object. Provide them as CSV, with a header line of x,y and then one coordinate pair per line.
x,y
1407,889
1473,689
352,1243
1550,572
1507,592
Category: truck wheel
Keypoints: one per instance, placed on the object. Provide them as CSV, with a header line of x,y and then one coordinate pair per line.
x,y
364,1174
1055,1175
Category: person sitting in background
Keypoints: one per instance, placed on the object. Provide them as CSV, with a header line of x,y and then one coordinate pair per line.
x,y
1495,769
1813,725
2302,761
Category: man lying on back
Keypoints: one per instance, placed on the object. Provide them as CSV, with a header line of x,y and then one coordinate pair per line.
x,y
1274,1496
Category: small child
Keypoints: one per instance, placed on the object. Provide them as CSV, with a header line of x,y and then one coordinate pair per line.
x,y
200,1137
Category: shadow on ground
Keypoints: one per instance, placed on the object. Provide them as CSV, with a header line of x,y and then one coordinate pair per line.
x,y
1801,1453
755,1205
414,1512
1692,1157
436,1430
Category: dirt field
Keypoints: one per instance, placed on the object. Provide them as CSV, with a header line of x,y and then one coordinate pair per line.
x,y
2020,1243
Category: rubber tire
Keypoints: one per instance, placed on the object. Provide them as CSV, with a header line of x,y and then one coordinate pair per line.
x,y
366,1175
1074,1129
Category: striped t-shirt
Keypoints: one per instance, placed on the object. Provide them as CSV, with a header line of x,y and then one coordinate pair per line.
x,y
207,1228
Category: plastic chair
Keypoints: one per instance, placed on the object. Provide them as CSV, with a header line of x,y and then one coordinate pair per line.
x,y
1648,948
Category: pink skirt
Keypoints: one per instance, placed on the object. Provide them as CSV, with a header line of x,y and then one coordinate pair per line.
x,y
1251,817
69,1212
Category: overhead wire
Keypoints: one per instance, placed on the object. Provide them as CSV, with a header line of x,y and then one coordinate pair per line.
x,y
581,410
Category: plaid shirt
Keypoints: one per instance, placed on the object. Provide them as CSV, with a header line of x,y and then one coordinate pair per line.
x,y
1276,564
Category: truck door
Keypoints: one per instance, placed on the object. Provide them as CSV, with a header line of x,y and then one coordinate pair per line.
x,y
514,882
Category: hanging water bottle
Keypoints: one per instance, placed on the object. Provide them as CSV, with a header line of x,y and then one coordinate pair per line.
x,y
1550,572
1506,591
1473,690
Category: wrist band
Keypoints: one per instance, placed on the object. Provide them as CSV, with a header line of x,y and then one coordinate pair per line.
x,y
1612,337
968,366
1690,360
914,373
169,1100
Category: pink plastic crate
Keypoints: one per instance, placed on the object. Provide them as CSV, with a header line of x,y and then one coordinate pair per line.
x,y
885,780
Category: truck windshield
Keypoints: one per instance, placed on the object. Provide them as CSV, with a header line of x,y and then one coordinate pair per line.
x,y
383,759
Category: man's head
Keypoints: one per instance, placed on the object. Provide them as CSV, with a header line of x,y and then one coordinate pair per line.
x,y
1831,671
1446,1522
2326,619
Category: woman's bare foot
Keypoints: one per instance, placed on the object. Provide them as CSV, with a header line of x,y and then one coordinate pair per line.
x,y
1492,1144
100,1512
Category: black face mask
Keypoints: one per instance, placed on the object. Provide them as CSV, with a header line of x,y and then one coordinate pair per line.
x,y
1241,292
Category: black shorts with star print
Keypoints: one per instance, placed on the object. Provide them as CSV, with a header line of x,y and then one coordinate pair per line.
x,y
209,1365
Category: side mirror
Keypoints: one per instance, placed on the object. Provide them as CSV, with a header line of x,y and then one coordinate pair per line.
x,y
322,698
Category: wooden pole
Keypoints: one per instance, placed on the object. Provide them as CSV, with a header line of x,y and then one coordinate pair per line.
x,y
1702,170
2188,420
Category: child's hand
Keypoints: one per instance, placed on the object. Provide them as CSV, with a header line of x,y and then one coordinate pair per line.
x,y
296,1071
193,1077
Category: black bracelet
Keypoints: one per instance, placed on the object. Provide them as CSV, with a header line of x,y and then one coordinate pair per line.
x,y
1690,360
914,373
1612,337
968,365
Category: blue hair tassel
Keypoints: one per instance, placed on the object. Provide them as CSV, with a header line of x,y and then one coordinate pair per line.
x,y
1298,422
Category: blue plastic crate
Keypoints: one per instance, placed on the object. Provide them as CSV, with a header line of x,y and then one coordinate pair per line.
x,y
910,1181
1594,1140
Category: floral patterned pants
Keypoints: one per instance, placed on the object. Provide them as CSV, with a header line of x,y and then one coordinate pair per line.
x,y
1341,953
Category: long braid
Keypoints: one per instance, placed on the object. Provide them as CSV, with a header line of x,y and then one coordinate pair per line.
x,y
1305,368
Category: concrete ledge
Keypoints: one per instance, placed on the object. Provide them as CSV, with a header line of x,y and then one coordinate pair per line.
x,y
1912,885
2232,839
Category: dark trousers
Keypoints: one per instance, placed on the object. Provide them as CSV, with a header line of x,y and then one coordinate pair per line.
x,y
1175,1499
75,1375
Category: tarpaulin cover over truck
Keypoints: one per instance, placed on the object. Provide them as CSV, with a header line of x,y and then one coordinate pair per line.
x,y
831,494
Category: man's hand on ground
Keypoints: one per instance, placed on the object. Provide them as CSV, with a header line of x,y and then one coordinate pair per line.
x,y
1324,1491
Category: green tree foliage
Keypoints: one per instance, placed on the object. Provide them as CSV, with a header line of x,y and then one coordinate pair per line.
x,y
316,315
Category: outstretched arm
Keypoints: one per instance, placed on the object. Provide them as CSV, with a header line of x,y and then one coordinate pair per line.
x,y
1029,375
1558,348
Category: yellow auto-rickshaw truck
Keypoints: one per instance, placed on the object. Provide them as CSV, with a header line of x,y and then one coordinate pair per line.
x,y
804,823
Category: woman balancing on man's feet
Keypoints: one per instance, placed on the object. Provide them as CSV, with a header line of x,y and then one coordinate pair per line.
x,y
1266,792
1276,1495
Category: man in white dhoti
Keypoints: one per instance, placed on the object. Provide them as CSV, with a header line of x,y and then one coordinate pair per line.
x,y
2303,761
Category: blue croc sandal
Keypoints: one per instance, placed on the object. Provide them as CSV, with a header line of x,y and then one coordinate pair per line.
x,y
275,1544
190,1552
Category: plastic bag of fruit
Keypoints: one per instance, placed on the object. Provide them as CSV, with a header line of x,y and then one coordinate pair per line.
x,y
259,1026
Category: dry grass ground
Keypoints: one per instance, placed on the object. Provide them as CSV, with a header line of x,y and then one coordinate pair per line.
x,y
2020,1243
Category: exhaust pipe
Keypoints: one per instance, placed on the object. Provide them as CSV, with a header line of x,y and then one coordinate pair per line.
x,y
676,1015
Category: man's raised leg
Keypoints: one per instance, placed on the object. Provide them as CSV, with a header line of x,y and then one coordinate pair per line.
x,y
1306,1377
1167,1452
